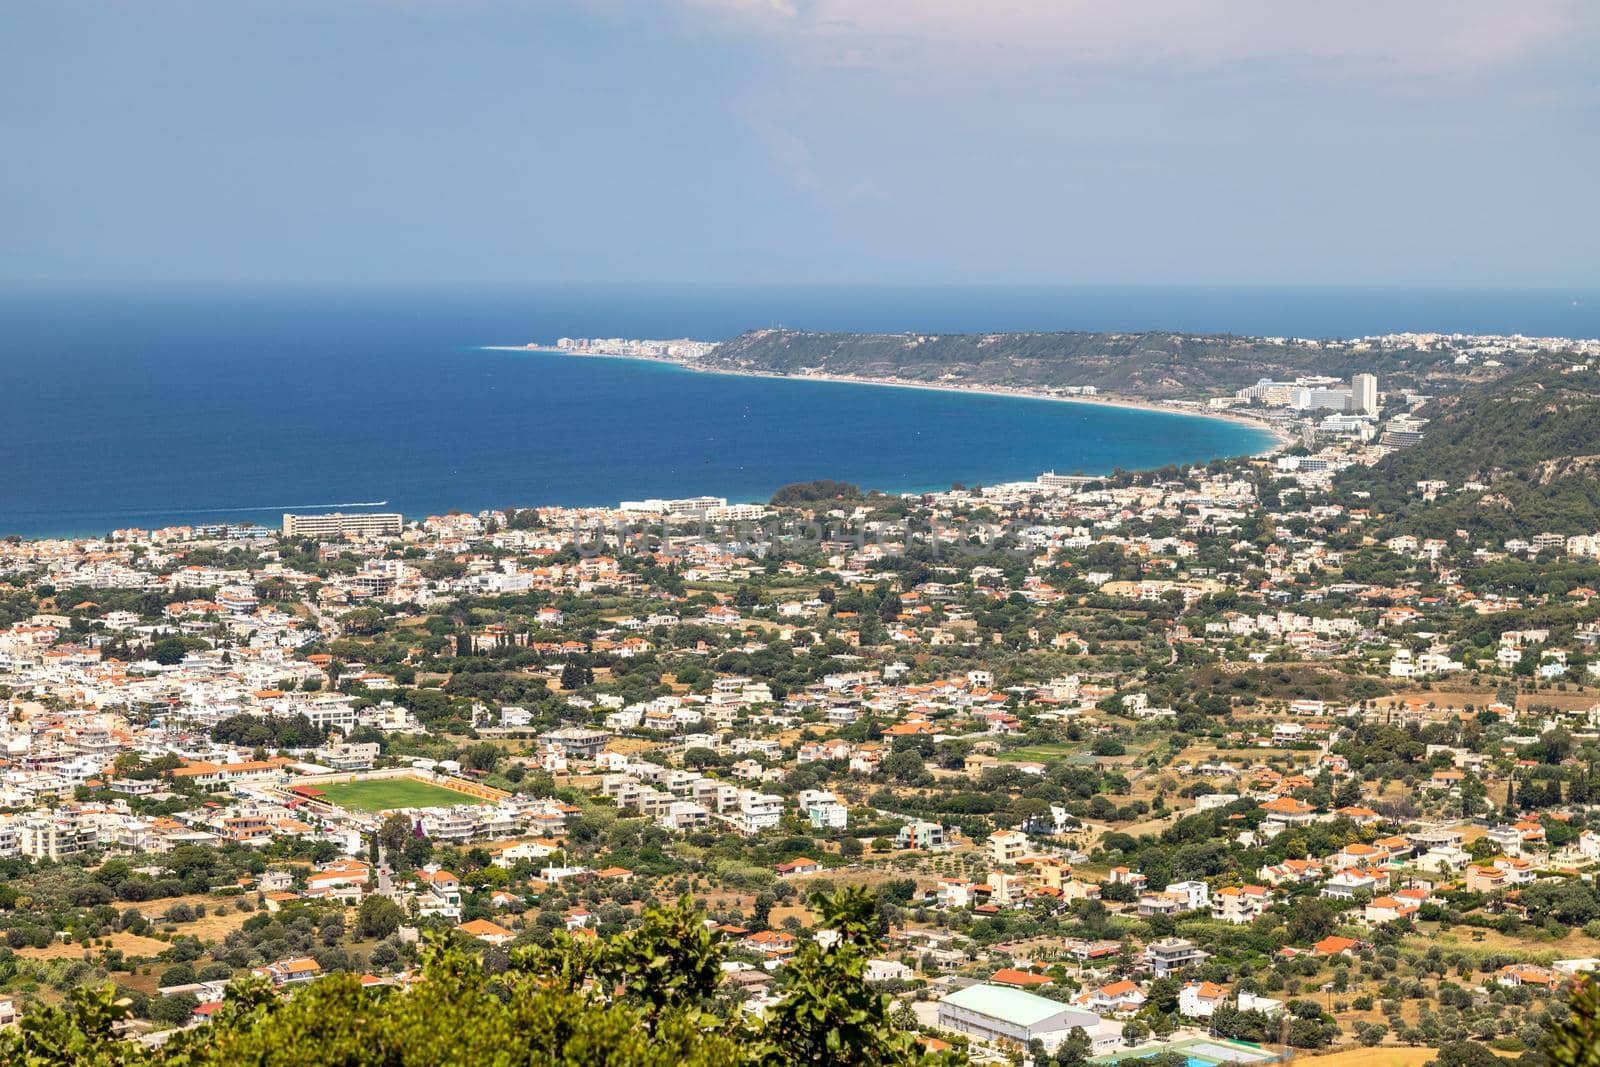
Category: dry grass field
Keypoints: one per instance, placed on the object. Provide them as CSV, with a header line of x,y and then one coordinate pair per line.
x,y
1377,1057
129,944
1370,1057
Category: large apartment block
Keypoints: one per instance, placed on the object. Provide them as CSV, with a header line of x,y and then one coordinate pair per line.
x,y
323,527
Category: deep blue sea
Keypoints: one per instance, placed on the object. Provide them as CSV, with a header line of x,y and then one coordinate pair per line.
x,y
129,405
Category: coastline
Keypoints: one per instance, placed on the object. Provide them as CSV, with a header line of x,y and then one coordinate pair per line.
x,y
1279,438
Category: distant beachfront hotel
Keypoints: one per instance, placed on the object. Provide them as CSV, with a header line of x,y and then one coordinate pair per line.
x,y
693,505
710,508
1360,397
375,524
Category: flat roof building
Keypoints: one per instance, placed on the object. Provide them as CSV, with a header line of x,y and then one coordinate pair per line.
x,y
338,524
999,1014
1172,955
1364,394
687,506
577,741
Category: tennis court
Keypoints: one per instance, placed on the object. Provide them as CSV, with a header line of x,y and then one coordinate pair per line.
x,y
1202,1052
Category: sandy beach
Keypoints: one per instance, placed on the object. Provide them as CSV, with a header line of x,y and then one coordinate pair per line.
x,y
1280,439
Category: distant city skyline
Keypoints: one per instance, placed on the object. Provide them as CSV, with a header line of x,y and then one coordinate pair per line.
x,y
1039,142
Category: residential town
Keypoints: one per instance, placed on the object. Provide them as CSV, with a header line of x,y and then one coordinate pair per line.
x,y
1134,764
800,533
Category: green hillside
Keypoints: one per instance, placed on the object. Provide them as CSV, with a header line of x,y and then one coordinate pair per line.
x,y
1533,438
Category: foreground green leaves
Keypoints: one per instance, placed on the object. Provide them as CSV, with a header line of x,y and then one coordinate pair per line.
x,y
647,998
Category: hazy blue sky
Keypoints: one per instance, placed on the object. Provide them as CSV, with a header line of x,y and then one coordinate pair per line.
x,y
1043,141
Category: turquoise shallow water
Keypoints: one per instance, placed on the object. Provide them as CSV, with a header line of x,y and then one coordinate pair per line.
x,y
127,407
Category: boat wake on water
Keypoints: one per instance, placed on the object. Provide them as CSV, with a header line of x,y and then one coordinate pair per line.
x,y
291,507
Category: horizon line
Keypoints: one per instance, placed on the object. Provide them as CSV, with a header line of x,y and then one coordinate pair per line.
x,y
1566,287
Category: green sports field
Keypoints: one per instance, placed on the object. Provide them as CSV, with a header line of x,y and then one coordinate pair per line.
x,y
386,794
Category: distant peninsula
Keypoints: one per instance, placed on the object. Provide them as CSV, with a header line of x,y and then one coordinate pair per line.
x,y
1153,365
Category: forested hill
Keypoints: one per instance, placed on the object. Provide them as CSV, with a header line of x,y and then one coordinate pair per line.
x,y
1157,365
1533,438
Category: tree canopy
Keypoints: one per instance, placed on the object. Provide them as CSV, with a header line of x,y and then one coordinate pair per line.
x,y
645,997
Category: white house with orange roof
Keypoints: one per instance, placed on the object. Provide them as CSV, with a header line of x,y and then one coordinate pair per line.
x,y
1345,884
1518,871
1388,909
1291,872
1486,878
1126,876
1117,998
1006,847
1288,811
1398,847
1357,854
441,894
953,893
1359,815
1197,1000
1513,975
1239,904
773,944
291,971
